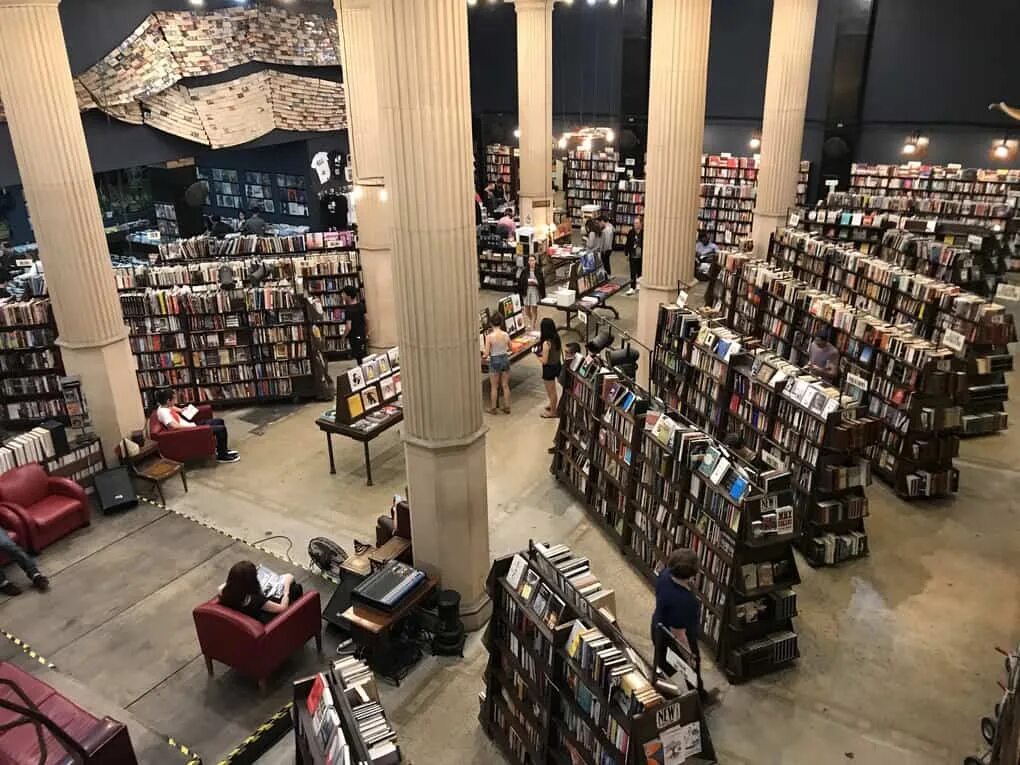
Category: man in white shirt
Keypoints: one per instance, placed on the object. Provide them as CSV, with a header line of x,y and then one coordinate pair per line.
x,y
608,233
172,417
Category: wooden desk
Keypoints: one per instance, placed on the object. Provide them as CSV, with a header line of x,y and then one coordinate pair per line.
x,y
372,628
329,427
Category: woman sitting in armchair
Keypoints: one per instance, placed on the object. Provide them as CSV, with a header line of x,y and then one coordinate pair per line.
x,y
243,592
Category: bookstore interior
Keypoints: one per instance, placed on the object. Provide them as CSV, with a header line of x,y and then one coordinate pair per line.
x,y
705,453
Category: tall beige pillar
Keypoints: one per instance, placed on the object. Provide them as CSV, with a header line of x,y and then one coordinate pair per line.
x,y
534,108
425,104
49,145
786,90
676,127
375,218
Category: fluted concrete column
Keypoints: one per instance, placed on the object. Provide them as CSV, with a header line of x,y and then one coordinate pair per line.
x,y
375,218
49,145
534,108
425,104
676,127
786,89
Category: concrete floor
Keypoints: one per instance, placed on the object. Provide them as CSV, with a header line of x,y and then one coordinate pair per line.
x,y
897,659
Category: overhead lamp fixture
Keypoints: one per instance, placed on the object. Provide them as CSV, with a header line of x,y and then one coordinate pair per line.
x,y
610,136
517,132
562,142
755,142
472,3
383,194
1001,150
357,192
612,2
197,3
591,2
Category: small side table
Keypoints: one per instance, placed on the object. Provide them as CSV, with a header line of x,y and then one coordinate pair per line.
x,y
159,470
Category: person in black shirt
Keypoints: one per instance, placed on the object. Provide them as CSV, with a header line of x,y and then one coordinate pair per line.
x,y
357,331
677,607
634,248
243,593
219,228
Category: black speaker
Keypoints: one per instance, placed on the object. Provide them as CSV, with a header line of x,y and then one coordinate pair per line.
x,y
58,433
115,490
340,601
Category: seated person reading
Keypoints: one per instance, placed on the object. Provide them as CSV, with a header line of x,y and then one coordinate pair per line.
x,y
173,417
257,592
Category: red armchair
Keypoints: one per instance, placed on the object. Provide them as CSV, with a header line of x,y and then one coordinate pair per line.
x,y
103,742
49,508
251,647
185,444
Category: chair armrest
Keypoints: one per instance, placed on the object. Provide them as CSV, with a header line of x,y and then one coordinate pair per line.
x,y
301,621
65,487
204,414
11,519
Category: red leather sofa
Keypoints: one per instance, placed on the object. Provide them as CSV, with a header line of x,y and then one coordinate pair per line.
x,y
252,648
185,444
49,508
104,741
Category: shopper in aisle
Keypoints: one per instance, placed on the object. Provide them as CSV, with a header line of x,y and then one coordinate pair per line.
x,y
531,288
564,232
570,351
677,607
592,236
220,228
243,592
823,358
608,234
255,224
12,550
171,416
506,226
497,348
549,350
356,326
633,249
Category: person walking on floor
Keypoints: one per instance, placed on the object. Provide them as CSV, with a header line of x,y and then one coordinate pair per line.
x,y
549,350
357,331
633,248
12,550
531,288
608,234
497,348
677,608
592,236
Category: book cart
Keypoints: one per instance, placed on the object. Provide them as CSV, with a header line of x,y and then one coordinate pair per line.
x,y
562,684
337,718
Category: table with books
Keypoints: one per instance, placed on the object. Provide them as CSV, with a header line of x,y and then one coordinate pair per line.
x,y
594,291
368,403
522,340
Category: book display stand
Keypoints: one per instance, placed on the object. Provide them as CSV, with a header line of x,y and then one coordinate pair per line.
x,y
30,364
562,684
366,394
338,718
522,340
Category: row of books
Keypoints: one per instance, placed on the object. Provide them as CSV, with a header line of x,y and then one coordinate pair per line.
x,y
241,244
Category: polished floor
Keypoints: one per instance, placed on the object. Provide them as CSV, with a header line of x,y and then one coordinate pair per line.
x,y
898,661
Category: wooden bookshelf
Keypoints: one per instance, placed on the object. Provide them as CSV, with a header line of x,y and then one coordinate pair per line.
x,y
503,167
591,180
30,364
497,261
549,694
630,205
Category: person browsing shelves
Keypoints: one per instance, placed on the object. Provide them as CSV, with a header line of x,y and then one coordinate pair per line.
x,y
357,330
244,592
823,358
171,416
677,608
634,248
549,350
497,348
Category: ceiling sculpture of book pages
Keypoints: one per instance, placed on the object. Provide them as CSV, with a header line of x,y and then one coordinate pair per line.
x,y
137,82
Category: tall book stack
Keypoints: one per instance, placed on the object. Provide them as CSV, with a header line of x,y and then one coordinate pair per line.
x,y
630,205
30,363
337,718
502,166
591,180
914,391
728,287
562,684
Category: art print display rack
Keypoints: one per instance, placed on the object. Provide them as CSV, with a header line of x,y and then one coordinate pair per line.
x,y
503,166
591,180
337,718
30,364
563,685
367,396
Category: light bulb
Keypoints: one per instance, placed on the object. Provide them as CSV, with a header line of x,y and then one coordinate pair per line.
x,y
472,2
754,143
563,142
591,2
909,148
517,132
612,2
357,192
1001,150
922,140
197,3
610,136
383,195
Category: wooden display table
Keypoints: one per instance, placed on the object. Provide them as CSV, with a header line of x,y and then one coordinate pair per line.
x,y
331,427
602,293
520,348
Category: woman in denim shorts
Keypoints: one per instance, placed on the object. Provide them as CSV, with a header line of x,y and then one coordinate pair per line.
x,y
497,348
